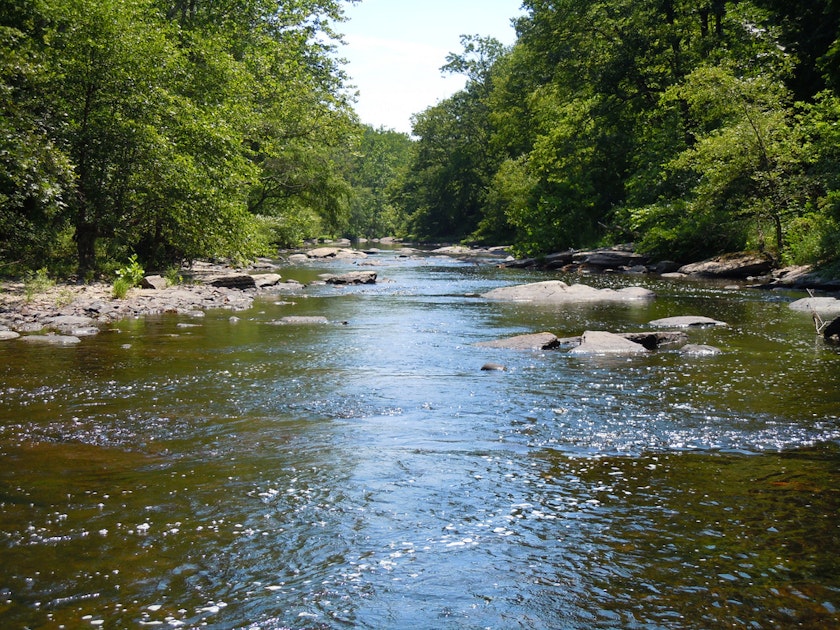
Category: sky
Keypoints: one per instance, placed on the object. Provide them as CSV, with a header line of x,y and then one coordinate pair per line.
x,y
395,49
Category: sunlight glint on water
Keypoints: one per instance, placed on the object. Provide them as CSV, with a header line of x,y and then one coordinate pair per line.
x,y
366,473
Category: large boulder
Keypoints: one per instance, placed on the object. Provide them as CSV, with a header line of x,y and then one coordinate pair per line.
x,y
742,265
558,292
156,282
602,342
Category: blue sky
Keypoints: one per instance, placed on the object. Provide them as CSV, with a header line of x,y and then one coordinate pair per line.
x,y
395,49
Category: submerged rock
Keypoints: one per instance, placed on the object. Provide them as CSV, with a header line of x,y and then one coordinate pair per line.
x,y
493,367
298,320
686,321
558,292
700,350
56,340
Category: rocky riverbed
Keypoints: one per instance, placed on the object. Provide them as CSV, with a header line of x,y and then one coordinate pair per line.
x,y
62,312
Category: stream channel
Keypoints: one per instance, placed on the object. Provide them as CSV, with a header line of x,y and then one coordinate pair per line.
x,y
366,473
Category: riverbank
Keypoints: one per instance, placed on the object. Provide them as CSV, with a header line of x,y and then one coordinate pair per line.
x,y
78,310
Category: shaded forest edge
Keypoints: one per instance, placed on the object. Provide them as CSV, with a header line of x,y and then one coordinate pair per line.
x,y
157,132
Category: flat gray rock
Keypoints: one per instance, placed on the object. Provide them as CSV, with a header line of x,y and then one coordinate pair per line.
x,y
558,292
594,342
817,304
686,321
536,341
342,253
266,279
6,335
353,277
741,265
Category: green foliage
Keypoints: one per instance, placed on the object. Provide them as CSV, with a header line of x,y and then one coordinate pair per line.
x,y
36,282
375,171
671,123
150,126
132,272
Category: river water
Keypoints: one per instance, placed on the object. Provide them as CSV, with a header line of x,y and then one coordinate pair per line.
x,y
366,473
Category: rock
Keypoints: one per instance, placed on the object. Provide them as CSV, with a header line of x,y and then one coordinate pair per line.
x,y
57,340
610,258
742,265
68,324
536,341
558,292
266,279
666,266
6,335
686,321
699,350
452,250
159,283
298,258
89,331
335,252
241,281
298,320
493,367
652,340
816,304
602,342
832,331
354,277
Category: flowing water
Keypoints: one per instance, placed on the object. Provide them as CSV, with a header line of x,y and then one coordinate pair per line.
x,y
366,473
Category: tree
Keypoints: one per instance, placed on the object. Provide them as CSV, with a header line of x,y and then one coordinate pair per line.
x,y
375,171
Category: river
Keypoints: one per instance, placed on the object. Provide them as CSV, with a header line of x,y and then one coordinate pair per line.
x,y
366,473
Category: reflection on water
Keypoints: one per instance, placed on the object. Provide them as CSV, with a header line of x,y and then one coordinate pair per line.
x,y
366,473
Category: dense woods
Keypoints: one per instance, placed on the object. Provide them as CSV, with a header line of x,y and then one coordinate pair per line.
x,y
689,128
172,130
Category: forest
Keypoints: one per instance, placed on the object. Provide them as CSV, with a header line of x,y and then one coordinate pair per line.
x,y
165,131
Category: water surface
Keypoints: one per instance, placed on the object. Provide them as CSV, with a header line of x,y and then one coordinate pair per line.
x,y
367,474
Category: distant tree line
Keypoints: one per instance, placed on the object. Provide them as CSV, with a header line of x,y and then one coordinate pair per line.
x,y
163,131
691,127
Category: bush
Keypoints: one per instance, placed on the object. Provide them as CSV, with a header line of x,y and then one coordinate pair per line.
x,y
127,277
36,282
